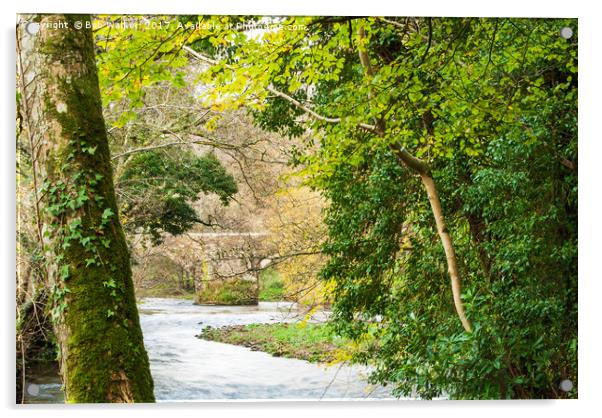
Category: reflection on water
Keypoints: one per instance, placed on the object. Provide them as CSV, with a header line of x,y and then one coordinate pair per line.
x,y
42,384
185,368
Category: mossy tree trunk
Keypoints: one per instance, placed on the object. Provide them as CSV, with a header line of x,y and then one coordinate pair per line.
x,y
96,321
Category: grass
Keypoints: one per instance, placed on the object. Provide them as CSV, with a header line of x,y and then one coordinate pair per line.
x,y
271,286
311,342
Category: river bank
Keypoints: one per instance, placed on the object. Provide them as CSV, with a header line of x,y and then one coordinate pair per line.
x,y
311,342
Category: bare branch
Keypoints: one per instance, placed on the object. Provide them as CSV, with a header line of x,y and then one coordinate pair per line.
x,y
203,141
392,22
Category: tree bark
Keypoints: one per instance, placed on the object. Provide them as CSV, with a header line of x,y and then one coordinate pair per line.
x,y
102,355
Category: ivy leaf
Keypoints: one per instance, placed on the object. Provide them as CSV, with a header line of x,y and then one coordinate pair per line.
x,y
110,283
107,214
75,223
64,272
91,150
90,261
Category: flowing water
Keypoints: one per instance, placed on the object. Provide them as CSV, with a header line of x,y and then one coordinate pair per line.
x,y
186,368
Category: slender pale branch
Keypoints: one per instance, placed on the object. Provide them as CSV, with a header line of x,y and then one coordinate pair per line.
x,y
422,168
30,136
392,22
301,106
203,141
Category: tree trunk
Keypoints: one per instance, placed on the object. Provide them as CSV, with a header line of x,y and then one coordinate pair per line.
x,y
429,184
96,322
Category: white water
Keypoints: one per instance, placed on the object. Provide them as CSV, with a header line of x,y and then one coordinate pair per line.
x,y
186,368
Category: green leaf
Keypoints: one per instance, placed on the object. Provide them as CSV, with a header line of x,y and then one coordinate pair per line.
x,y
110,283
64,272
107,213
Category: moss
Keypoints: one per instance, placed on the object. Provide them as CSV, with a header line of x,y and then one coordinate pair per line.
x,y
103,355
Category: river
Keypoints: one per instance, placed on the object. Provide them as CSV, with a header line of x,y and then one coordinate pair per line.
x,y
188,369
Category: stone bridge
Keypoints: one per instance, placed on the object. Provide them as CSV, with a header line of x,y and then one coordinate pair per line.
x,y
230,255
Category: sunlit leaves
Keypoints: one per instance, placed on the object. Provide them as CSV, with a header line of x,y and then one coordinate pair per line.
x,y
136,52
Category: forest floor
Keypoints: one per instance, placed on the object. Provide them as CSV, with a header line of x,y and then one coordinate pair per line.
x,y
311,342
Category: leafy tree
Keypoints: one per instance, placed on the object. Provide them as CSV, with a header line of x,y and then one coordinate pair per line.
x,y
164,186
163,156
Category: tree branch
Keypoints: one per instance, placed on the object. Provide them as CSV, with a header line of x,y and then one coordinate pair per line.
x,y
282,95
428,45
422,168
202,141
392,22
